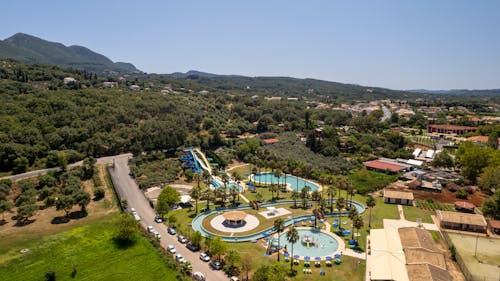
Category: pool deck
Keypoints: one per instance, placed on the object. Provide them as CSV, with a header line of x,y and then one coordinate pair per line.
x,y
251,223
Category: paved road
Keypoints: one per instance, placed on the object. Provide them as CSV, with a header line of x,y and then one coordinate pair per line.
x,y
128,189
102,160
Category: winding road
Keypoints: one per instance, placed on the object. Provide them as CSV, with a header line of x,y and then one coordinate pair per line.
x,y
127,189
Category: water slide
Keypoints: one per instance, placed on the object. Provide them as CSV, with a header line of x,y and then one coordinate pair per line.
x,y
204,163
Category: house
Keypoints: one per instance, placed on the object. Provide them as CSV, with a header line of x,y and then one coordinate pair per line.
x,y
134,88
387,259
424,261
464,207
69,80
482,140
461,221
110,84
494,226
450,129
398,197
386,166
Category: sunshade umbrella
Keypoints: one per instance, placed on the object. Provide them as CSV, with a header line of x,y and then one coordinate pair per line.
x,y
296,256
307,258
328,258
337,256
317,258
286,254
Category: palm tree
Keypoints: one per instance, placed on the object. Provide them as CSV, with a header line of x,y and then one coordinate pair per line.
x,y
292,236
225,180
207,194
277,174
358,224
296,173
234,193
196,193
279,226
340,204
353,214
370,202
351,191
295,195
331,192
254,172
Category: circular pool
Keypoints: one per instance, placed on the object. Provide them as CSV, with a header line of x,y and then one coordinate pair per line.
x,y
312,243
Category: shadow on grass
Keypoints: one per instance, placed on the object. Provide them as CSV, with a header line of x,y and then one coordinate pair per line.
x,y
77,215
21,223
124,243
60,220
2,222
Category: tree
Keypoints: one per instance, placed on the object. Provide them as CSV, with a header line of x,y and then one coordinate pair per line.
x,y
20,165
340,204
489,179
196,192
357,224
88,167
292,236
65,203
99,193
82,198
167,197
279,226
218,247
295,195
473,159
353,214
246,265
277,175
25,211
232,259
5,206
370,202
493,140
491,206
331,192
196,238
126,231
443,159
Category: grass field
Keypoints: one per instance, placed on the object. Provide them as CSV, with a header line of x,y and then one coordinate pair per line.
x,y
367,181
412,213
88,249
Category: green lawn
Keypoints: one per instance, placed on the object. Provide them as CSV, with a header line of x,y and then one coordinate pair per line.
x,y
412,213
90,250
367,181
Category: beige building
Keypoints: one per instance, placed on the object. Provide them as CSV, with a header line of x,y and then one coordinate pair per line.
x,y
461,221
398,197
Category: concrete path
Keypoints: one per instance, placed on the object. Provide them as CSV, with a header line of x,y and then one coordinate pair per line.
x,y
401,212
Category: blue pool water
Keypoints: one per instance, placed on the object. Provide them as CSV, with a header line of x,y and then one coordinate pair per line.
x,y
322,244
294,182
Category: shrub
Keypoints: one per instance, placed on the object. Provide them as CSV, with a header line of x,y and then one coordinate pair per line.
x,y
462,194
50,275
99,193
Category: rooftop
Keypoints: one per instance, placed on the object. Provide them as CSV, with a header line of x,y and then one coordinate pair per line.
x,y
452,127
381,165
461,218
464,205
271,141
398,194
235,215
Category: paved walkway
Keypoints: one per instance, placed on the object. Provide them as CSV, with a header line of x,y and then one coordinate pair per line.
x,y
401,212
251,223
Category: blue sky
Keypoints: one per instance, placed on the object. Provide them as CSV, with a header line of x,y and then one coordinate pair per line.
x,y
394,44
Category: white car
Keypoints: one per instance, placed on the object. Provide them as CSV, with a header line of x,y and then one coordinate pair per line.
x,y
133,211
157,234
180,259
171,249
150,229
204,257
136,217
198,276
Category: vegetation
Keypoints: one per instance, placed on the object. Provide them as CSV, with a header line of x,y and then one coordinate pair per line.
x,y
166,199
154,169
74,253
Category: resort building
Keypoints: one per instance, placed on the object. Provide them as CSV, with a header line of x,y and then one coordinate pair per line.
x,y
398,197
386,166
387,259
424,261
494,226
450,129
461,221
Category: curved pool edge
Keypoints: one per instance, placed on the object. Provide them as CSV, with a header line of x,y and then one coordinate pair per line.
x,y
196,223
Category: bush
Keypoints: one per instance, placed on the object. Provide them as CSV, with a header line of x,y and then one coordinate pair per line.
x,y
99,193
50,275
462,194
126,232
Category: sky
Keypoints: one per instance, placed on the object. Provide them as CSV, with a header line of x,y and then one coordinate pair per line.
x,y
425,44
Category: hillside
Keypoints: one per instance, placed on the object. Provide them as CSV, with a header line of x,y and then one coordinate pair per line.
x,y
31,49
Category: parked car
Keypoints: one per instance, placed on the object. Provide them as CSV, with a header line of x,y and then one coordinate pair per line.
x,y
182,239
150,229
234,278
192,247
179,258
157,234
136,217
198,276
158,219
133,211
171,231
216,265
171,249
204,257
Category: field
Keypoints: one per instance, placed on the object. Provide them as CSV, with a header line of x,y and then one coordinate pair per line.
x,y
89,252
485,266
412,213
367,181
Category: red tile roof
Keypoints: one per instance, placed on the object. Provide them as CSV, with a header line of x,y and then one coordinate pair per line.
x,y
379,165
452,127
483,139
494,223
271,141
464,205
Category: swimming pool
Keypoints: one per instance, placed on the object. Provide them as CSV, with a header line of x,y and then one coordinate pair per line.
x,y
320,244
294,181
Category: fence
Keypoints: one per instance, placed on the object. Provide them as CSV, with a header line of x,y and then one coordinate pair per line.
x,y
463,265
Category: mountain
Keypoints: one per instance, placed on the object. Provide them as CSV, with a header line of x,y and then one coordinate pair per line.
x,y
468,92
31,49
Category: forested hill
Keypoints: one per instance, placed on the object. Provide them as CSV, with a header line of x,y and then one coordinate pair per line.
x,y
294,87
31,49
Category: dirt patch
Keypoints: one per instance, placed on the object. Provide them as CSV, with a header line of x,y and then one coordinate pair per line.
x,y
452,266
49,220
446,196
